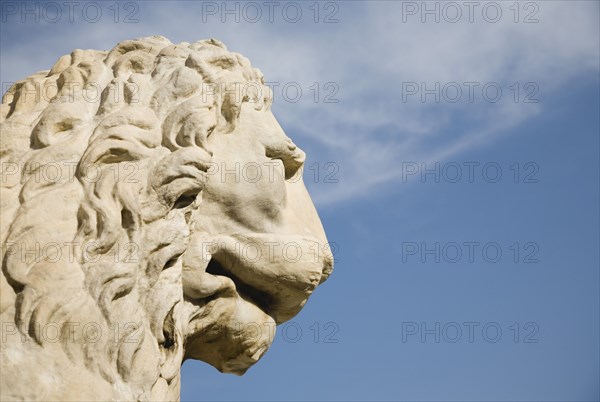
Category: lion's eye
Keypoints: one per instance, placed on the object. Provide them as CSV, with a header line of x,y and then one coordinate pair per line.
x,y
185,200
171,262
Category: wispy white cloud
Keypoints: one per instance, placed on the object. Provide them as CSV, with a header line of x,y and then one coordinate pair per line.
x,y
369,54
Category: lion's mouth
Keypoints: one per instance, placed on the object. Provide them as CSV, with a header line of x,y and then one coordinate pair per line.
x,y
235,297
277,285
252,295
272,277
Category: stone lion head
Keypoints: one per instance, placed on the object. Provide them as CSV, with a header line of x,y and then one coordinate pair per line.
x,y
153,211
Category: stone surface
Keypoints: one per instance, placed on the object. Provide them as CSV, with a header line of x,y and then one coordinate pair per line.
x,y
152,211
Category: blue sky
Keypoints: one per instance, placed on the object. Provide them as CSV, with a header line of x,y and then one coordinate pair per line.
x,y
540,211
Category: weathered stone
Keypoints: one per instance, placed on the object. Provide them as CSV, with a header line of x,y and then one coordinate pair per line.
x,y
152,211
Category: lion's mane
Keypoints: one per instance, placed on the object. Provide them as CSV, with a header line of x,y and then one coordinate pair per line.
x,y
98,119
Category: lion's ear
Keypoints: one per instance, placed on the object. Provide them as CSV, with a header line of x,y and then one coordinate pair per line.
x,y
179,177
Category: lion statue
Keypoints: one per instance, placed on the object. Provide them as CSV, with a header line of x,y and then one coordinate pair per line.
x,y
152,211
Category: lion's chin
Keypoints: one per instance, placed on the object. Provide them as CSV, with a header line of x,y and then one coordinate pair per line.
x,y
235,340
